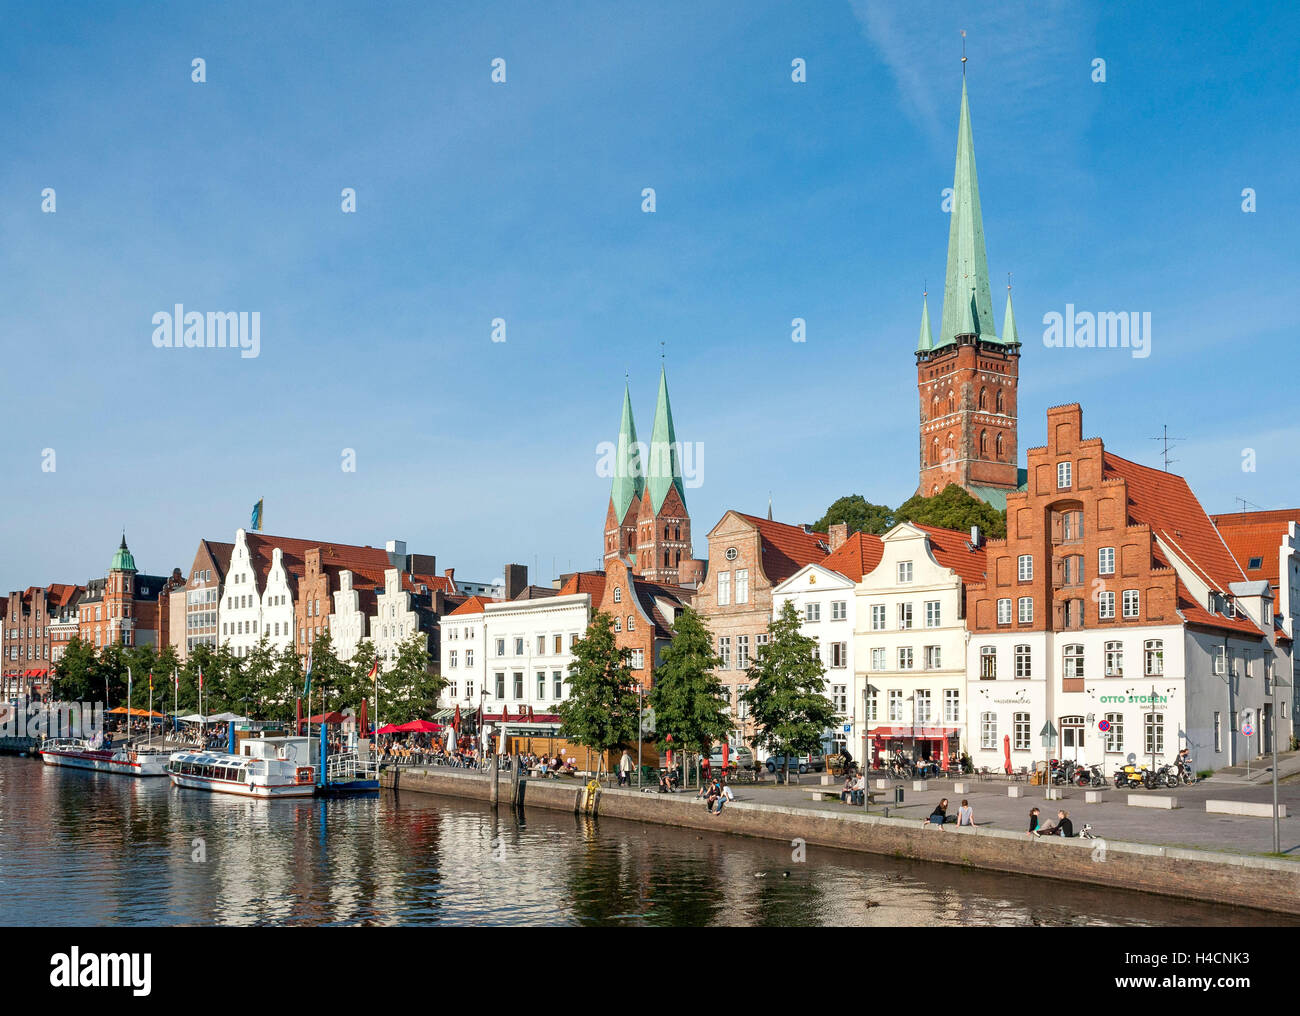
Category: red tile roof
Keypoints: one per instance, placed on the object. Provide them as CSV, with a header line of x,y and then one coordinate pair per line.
x,y
366,563
585,582
474,605
1257,534
61,594
1165,503
786,548
856,556
951,548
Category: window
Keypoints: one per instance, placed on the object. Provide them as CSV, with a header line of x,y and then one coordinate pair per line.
x,y
519,647
1154,727
742,585
839,610
1024,657
1115,735
557,684
1254,563
878,659
1155,657
519,684
559,644
1072,570
1071,527
988,663
904,571
877,617
1073,661
951,705
742,652
873,705
501,647
1106,606
840,698
988,731
469,689
469,657
1218,732
933,658
451,658
812,611
1026,567
1114,659
1106,561
1062,475
618,594
1020,731
724,651
618,624
541,645
1220,661
742,707
904,616
724,588
895,705
1130,603
541,685
501,685
638,659
933,615
905,658
631,623
839,654
1004,610
922,706
1026,609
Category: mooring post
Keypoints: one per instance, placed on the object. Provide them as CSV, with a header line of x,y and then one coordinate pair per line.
x,y
494,788
514,781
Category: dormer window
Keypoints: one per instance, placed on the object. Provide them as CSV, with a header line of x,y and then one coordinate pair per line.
x,y
1229,607
1255,563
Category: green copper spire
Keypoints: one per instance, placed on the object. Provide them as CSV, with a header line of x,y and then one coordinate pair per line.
x,y
665,468
925,343
122,560
966,312
629,477
1009,333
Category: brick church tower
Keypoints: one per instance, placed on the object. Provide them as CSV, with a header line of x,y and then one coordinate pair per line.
x,y
967,376
647,523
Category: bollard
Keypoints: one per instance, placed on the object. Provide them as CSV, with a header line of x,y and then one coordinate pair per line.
x,y
494,788
514,781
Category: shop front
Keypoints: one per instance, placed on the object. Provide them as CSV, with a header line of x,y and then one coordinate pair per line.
x,y
933,744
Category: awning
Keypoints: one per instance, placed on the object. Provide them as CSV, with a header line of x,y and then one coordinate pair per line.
x,y
333,719
914,733
120,710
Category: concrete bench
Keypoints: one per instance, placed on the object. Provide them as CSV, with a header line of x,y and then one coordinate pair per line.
x,y
1014,791
1055,794
1252,809
881,784
1094,796
1165,801
961,788
817,793
920,785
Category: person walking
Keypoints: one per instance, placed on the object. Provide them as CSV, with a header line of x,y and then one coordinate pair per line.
x,y
625,769
965,816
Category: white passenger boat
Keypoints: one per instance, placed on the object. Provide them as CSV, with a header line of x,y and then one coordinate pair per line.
x,y
80,753
264,767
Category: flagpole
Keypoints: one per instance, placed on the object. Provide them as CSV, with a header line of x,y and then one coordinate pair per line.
x,y
176,696
128,705
149,739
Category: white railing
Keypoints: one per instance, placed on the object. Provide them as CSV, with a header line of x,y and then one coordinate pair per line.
x,y
347,767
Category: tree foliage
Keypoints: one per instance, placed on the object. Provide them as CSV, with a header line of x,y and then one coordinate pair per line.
x,y
787,690
688,699
954,508
600,711
861,515
408,691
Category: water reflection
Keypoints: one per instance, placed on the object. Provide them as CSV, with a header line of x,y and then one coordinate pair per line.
x,y
87,848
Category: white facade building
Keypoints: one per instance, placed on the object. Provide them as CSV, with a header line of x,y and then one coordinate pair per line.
x,y
827,606
395,620
252,606
347,621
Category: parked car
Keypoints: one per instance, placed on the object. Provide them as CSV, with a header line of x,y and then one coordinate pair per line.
x,y
741,758
798,763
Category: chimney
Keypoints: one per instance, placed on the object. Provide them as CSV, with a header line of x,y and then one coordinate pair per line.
x,y
975,536
839,533
516,580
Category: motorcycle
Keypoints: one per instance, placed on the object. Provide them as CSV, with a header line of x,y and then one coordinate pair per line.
x,y
1096,776
1130,776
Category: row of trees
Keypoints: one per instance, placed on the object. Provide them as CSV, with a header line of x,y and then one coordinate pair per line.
x,y
264,684
951,508
786,697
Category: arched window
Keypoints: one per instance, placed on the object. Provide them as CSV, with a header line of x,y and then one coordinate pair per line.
x,y
998,445
1002,403
984,398
618,594
631,623
952,405
934,406
984,444
934,451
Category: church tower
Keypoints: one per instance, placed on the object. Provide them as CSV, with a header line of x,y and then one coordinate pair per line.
x,y
967,375
663,524
626,491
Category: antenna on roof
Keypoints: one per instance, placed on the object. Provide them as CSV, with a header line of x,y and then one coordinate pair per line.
x,y
1164,436
1248,504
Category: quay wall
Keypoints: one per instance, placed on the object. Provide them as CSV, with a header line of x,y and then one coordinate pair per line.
x,y
1263,883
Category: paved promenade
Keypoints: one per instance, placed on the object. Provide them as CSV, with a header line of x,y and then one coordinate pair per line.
x,y
1186,826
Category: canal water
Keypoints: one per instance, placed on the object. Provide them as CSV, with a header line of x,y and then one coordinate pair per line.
x,y
86,848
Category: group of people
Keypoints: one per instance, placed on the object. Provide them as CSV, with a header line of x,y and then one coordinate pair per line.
x,y
965,814
716,794
1061,827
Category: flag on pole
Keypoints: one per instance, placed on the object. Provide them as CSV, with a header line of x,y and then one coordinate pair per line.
x,y
306,688
374,669
151,682
256,521
176,679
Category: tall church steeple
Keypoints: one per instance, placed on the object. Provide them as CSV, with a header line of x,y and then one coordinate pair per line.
x,y
626,489
664,525
967,376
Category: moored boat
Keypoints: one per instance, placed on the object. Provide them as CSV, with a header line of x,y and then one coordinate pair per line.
x,y
264,767
80,753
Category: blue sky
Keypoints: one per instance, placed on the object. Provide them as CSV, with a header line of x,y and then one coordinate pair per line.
x,y
522,201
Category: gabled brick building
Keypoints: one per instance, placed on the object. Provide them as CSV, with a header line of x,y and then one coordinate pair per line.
x,y
126,607
38,622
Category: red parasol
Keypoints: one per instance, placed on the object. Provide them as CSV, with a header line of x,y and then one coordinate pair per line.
x,y
726,753
421,727
943,751
1006,750
361,720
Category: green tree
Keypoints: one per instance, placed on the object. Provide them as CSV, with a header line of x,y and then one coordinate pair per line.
x,y
954,508
286,684
363,686
329,676
600,711
787,690
410,689
687,697
76,675
861,515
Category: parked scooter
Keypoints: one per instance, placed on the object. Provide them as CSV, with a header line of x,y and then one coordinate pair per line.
x,y
1096,776
1130,776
